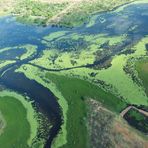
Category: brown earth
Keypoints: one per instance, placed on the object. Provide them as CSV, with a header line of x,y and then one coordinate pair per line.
x,y
107,130
6,6
128,138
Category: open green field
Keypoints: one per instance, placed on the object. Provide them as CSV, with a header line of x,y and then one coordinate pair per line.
x,y
20,118
75,91
142,68
17,128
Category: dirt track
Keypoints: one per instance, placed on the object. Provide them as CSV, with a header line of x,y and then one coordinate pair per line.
x,y
132,107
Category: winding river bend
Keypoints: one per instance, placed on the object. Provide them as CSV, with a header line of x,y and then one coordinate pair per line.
x,y
41,95
18,82
14,34
45,100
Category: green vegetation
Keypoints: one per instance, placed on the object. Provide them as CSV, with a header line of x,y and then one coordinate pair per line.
x,y
36,12
17,128
4,63
2,123
137,120
80,49
75,18
81,12
30,50
29,114
66,13
142,68
75,91
73,81
79,89
121,82
35,74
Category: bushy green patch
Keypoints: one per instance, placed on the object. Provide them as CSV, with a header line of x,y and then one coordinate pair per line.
x,y
17,130
37,12
74,19
137,119
75,91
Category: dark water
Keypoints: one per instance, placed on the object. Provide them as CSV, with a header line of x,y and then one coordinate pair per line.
x,y
137,120
12,54
41,95
14,34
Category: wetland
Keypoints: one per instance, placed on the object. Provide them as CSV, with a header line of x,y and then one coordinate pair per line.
x,y
59,72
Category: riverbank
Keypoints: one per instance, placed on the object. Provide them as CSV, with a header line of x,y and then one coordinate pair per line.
x,y
74,92
12,104
64,13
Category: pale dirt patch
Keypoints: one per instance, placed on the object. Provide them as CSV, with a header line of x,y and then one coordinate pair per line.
x,y
7,6
128,136
145,67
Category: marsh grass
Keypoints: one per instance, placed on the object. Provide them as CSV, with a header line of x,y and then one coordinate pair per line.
x,y
16,123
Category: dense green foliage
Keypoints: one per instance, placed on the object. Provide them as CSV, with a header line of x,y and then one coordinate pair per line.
x,y
37,12
74,19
